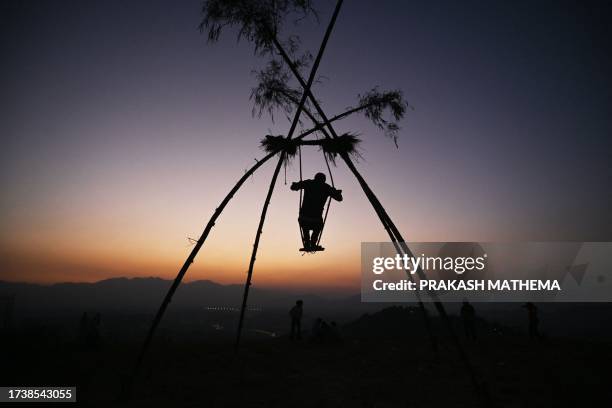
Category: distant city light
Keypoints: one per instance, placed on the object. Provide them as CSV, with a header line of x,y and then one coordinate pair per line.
x,y
231,309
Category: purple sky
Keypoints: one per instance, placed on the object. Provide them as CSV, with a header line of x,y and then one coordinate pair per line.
x,y
122,130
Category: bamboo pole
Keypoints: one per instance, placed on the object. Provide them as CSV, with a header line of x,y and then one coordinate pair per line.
x,y
262,219
296,118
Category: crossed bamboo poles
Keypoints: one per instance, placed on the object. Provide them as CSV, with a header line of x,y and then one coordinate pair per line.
x,y
296,118
324,125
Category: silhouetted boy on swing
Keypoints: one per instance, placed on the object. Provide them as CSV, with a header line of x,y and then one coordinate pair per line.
x,y
316,193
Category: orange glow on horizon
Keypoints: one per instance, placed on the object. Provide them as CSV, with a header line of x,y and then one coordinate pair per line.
x,y
117,224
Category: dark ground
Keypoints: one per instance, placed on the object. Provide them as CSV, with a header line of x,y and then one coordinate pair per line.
x,y
371,367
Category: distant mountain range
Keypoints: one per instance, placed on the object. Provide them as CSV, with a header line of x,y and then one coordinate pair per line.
x,y
125,296
146,294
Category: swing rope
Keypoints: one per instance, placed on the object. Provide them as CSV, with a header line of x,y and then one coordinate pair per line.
x,y
331,178
300,202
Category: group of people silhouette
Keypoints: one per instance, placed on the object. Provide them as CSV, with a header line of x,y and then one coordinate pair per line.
x,y
325,333
89,331
322,332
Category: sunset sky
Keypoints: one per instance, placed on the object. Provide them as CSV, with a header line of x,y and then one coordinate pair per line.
x,y
123,129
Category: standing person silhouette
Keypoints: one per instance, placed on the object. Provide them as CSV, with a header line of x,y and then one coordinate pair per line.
x,y
534,321
296,320
468,315
83,330
316,193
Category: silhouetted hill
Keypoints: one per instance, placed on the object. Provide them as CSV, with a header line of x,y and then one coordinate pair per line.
x,y
145,294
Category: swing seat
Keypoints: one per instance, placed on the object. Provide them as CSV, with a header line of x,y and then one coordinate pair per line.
x,y
317,248
310,223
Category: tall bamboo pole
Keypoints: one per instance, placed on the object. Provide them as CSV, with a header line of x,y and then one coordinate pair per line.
x,y
296,118
262,219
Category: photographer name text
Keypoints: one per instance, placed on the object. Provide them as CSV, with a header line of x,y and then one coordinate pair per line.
x,y
469,285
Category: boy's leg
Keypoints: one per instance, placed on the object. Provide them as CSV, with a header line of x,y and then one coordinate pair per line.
x,y
305,236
